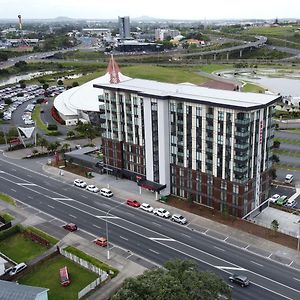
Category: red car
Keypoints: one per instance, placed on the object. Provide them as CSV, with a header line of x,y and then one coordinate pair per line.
x,y
70,227
133,203
101,241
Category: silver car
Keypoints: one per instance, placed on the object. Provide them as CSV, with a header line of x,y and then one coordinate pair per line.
x,y
179,219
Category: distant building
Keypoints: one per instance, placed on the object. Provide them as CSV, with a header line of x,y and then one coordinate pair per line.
x,y
124,27
162,34
11,290
102,32
135,46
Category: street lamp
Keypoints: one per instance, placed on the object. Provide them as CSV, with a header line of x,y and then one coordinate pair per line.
x,y
106,225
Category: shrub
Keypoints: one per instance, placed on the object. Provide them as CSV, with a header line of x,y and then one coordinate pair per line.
x,y
52,127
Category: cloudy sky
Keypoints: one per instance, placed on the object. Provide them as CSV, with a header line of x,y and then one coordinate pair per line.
x,y
167,9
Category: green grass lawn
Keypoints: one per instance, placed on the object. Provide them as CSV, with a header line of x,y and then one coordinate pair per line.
x,y
253,88
7,199
20,249
47,275
163,74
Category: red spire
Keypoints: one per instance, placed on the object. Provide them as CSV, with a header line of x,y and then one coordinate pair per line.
x,y
113,70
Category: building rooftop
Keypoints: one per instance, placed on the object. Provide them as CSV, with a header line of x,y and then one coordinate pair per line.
x,y
12,291
193,93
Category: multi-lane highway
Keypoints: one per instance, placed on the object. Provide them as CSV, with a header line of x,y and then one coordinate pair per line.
x,y
146,235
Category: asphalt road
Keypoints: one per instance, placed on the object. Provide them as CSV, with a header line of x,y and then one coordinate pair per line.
x,y
149,236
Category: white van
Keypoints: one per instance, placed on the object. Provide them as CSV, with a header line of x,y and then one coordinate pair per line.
x,y
18,268
289,178
290,203
106,192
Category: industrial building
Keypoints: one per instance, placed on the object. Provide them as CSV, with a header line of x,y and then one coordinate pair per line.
x,y
124,27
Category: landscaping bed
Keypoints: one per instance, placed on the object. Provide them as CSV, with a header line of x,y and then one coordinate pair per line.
x,y
46,275
266,233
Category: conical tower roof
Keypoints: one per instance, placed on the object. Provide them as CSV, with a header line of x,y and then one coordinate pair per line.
x,y
113,70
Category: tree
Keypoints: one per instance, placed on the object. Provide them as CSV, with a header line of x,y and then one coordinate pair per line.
x,y
52,147
179,279
43,143
70,134
275,225
65,147
60,82
45,86
275,158
276,144
75,83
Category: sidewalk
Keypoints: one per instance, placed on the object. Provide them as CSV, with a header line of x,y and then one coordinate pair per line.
x,y
124,189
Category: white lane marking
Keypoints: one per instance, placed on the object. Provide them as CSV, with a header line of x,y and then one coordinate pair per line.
x,y
124,238
99,217
29,184
186,235
62,199
218,258
162,239
154,251
97,226
13,190
83,196
14,170
29,197
296,279
29,176
219,248
51,206
154,223
254,262
230,268
72,216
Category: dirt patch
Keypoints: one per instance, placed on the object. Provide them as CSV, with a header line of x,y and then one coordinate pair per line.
x,y
266,233
76,169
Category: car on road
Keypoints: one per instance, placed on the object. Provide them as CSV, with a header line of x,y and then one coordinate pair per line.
x,y
161,212
239,279
282,200
92,188
70,227
179,219
290,203
133,203
80,183
18,268
106,192
274,198
101,241
289,178
146,207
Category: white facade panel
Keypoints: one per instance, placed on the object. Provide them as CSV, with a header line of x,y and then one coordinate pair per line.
x,y
148,139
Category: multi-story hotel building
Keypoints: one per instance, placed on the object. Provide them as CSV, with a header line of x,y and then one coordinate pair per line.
x,y
212,146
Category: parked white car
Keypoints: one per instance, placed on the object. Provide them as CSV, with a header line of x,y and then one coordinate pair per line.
x,y
161,212
179,219
18,268
92,188
290,203
274,198
146,207
80,183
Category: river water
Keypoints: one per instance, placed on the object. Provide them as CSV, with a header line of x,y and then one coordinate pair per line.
x,y
16,79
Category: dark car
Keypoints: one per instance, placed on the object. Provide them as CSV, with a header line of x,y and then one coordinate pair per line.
x,y
239,279
70,227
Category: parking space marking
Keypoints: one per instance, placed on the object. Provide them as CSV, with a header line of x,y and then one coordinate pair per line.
x,y
290,263
254,262
154,251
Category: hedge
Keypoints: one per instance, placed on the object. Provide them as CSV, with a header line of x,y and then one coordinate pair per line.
x,y
11,231
52,240
93,261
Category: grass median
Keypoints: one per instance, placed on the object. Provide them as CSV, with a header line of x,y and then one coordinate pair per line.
x,y
7,199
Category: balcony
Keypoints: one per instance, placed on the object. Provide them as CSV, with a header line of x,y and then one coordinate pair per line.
x,y
209,116
240,169
242,122
242,134
241,146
